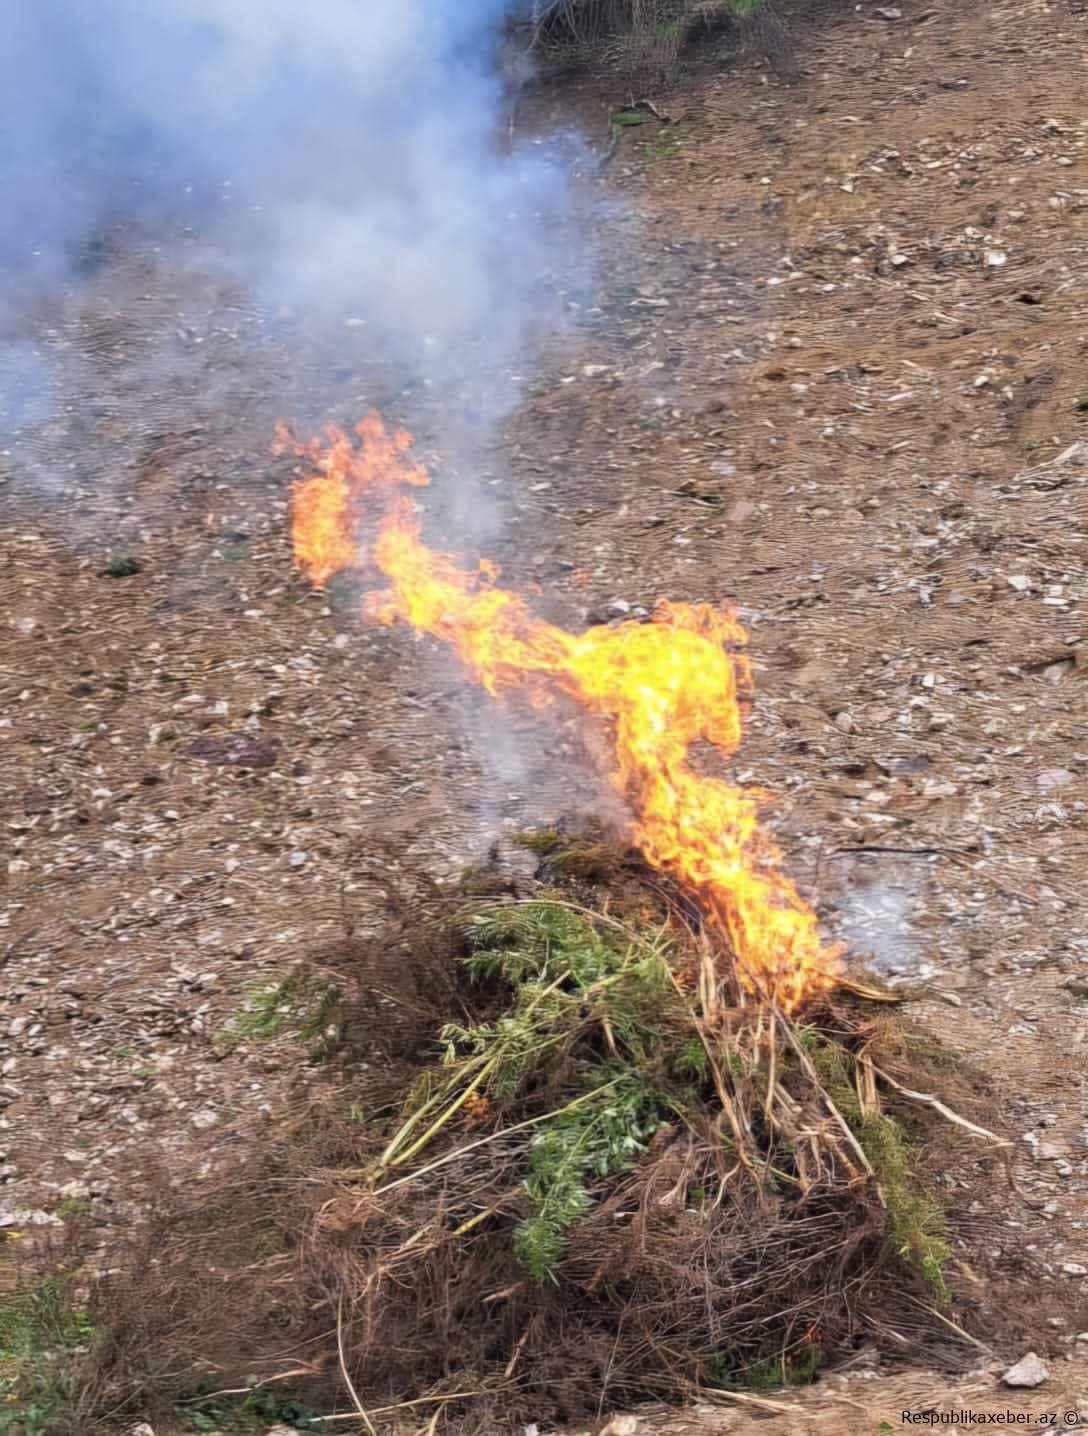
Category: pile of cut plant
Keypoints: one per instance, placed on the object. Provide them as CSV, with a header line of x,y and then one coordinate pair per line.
x,y
613,1176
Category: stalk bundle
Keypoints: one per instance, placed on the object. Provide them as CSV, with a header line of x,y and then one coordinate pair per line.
x,y
613,1177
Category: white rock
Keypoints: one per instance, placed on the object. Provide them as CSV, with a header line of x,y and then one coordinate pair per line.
x,y
1051,778
621,1426
1074,1268
1020,581
1028,1371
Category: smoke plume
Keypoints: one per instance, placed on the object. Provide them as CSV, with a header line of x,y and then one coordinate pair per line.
x,y
338,157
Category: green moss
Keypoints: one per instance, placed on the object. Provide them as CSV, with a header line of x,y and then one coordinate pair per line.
x,y
69,1209
121,564
666,144
915,1216
835,1071
628,119
916,1222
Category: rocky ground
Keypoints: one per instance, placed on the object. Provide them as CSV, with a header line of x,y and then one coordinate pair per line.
x,y
833,368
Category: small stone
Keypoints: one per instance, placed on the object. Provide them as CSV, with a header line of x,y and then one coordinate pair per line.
x,y
621,1426
1028,1371
1074,1268
936,788
297,859
889,12
1020,581
1052,1151
1051,778
995,258
237,751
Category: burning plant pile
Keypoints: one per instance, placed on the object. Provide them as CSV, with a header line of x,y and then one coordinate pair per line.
x,y
645,1136
662,685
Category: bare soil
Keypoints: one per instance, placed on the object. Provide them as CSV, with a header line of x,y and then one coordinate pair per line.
x,y
830,370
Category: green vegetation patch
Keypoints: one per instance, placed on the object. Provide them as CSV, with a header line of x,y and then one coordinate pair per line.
x,y
45,1333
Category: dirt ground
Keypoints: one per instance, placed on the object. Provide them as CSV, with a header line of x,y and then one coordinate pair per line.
x,y
829,369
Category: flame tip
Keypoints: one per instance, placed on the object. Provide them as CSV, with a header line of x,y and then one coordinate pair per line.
x,y
664,685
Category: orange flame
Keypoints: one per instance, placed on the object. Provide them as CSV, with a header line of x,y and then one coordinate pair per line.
x,y
662,685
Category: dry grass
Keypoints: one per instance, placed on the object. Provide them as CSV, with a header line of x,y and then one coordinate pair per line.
x,y
644,39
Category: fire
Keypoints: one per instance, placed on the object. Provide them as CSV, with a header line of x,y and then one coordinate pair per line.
x,y
662,686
